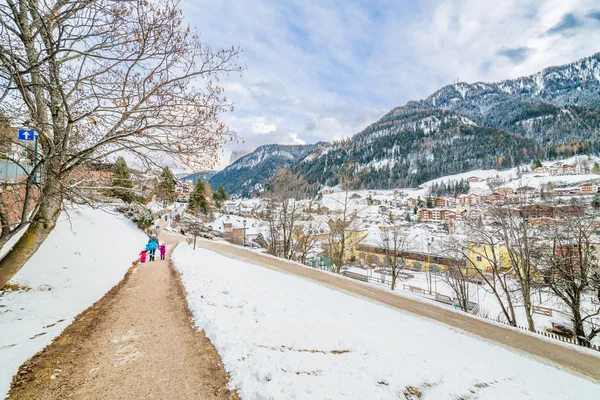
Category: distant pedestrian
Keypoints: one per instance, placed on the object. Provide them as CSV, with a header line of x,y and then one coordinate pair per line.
x,y
151,247
163,251
166,216
143,256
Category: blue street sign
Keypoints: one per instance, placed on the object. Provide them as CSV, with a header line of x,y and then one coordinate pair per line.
x,y
26,134
157,226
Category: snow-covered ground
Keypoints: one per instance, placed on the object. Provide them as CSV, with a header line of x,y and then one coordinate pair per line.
x,y
479,294
284,337
88,252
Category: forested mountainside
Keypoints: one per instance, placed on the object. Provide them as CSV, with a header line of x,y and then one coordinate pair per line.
x,y
204,175
247,175
552,114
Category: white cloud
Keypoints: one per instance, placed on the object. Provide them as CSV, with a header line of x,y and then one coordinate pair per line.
x,y
262,128
326,70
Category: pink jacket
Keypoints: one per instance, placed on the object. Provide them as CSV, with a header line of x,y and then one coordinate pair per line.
x,y
163,249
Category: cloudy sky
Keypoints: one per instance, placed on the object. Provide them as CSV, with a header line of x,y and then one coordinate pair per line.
x,y
323,70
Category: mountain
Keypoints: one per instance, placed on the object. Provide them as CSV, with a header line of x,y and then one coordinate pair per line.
x,y
236,155
204,175
247,175
552,114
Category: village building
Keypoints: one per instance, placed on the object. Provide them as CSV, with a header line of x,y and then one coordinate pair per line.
x,y
435,215
588,188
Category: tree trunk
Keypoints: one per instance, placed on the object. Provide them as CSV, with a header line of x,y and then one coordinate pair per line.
x,y
5,232
38,230
529,313
578,328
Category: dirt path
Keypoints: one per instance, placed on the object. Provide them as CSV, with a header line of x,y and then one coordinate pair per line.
x,y
137,342
547,352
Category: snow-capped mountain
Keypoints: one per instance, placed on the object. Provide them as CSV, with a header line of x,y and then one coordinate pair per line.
x,y
553,113
204,175
247,175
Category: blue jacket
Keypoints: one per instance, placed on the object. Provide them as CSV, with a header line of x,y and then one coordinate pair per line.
x,y
151,245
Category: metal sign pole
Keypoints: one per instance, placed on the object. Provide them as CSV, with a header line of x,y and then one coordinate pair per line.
x,y
35,156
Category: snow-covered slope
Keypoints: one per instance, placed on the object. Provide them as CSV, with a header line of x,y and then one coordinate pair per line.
x,y
283,337
88,252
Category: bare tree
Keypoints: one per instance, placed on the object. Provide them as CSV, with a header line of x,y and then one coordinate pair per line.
x,y
101,78
395,242
194,227
285,192
485,243
307,240
569,265
458,273
342,235
523,250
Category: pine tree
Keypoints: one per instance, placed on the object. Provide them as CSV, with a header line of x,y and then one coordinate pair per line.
x,y
220,196
430,202
536,164
166,187
121,181
596,168
596,201
198,201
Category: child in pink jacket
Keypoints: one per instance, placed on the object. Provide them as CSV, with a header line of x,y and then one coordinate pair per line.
x,y
163,251
143,256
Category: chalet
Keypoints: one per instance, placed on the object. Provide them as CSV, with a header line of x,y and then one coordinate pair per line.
x,y
227,227
473,199
562,192
355,196
496,196
525,190
563,169
441,202
230,207
569,169
588,188
434,215
323,210
376,254
411,202
541,170
512,199
506,190
473,179
474,215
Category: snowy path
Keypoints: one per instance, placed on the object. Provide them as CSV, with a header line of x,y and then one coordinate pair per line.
x,y
71,271
582,363
135,343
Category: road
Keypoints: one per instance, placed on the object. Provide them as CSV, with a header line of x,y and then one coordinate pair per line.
x,y
583,364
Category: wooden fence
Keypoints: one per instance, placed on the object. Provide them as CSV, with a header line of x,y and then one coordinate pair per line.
x,y
561,338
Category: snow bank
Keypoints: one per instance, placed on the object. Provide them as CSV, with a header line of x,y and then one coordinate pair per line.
x,y
85,256
284,337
